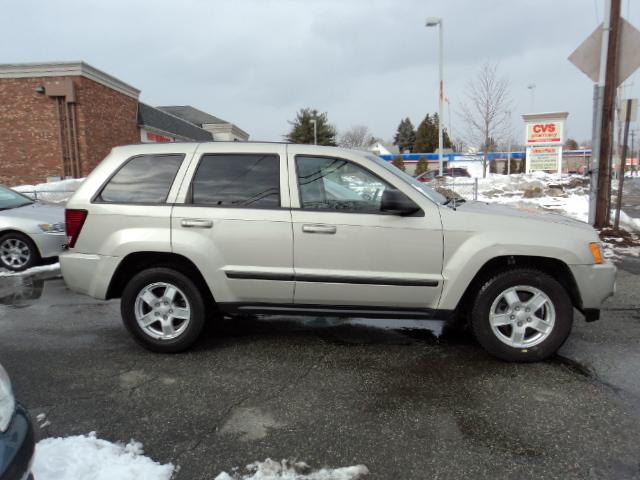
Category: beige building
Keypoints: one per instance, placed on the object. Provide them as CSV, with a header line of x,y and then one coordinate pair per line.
x,y
221,130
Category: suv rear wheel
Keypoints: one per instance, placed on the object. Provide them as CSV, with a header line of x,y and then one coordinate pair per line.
x,y
163,309
522,315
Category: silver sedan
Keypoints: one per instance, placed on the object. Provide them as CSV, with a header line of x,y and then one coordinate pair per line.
x,y
30,232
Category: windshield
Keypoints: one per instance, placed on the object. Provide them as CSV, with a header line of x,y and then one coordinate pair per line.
x,y
419,186
11,199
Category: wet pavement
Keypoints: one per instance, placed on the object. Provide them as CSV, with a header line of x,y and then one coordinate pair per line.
x,y
631,196
409,399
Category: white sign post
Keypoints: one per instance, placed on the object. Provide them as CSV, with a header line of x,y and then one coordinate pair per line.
x,y
544,139
544,159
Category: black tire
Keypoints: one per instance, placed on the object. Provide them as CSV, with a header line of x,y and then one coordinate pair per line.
x,y
34,254
499,283
192,294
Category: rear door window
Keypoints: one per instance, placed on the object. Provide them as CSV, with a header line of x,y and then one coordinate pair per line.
x,y
144,179
242,181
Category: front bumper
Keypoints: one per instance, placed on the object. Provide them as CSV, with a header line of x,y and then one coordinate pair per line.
x,y
595,283
17,446
49,244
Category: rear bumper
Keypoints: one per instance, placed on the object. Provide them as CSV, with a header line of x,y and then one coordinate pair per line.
x,y
595,283
88,274
17,446
49,244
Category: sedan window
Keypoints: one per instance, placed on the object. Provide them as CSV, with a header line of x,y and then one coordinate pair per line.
x,y
12,199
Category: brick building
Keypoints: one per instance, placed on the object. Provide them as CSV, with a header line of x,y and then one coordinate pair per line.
x,y
60,120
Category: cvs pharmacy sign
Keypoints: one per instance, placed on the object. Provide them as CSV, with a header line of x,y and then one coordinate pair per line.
x,y
544,132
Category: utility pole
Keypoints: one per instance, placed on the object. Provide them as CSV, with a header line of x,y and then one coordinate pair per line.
x,y
623,161
606,123
633,134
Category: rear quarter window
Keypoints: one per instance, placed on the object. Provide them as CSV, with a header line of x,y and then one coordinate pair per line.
x,y
143,179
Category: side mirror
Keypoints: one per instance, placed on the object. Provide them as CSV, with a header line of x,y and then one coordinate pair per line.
x,y
394,201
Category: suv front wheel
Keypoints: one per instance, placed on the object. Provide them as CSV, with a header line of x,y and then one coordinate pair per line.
x,y
522,315
163,310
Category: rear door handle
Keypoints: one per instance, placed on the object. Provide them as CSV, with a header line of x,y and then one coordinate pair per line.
x,y
196,223
326,229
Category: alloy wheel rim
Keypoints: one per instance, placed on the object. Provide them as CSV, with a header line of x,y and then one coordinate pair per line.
x,y
162,311
522,316
15,253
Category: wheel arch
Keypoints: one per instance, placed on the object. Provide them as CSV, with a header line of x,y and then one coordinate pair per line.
x,y
551,266
19,232
138,261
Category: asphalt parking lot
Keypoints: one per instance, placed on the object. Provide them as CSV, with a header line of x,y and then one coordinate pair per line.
x,y
414,401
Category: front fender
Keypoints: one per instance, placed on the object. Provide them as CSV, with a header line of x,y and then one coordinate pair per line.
x,y
466,254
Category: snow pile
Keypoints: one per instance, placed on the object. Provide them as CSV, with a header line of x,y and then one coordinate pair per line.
x,y
71,184
627,222
568,195
89,458
615,252
542,192
54,267
55,192
617,243
291,470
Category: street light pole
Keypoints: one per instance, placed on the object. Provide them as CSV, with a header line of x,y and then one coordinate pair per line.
x,y
315,131
532,89
432,22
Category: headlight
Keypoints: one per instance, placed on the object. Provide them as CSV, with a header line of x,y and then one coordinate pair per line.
x,y
7,401
52,227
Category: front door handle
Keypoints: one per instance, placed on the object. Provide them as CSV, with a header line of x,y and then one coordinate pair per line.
x,y
326,229
196,223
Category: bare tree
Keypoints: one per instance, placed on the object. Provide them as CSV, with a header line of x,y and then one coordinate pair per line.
x,y
357,136
459,144
485,110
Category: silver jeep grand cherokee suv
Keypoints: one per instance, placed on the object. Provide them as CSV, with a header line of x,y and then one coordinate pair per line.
x,y
183,233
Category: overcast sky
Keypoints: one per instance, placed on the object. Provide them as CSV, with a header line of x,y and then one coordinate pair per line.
x,y
370,62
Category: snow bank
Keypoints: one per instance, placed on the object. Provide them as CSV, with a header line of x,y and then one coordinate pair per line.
x,y
53,192
567,195
89,458
290,470
32,271
628,223
60,186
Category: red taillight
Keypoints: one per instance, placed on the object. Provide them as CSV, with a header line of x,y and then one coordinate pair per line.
x,y
74,219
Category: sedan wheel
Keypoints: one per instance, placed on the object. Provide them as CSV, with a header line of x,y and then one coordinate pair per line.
x,y
17,252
